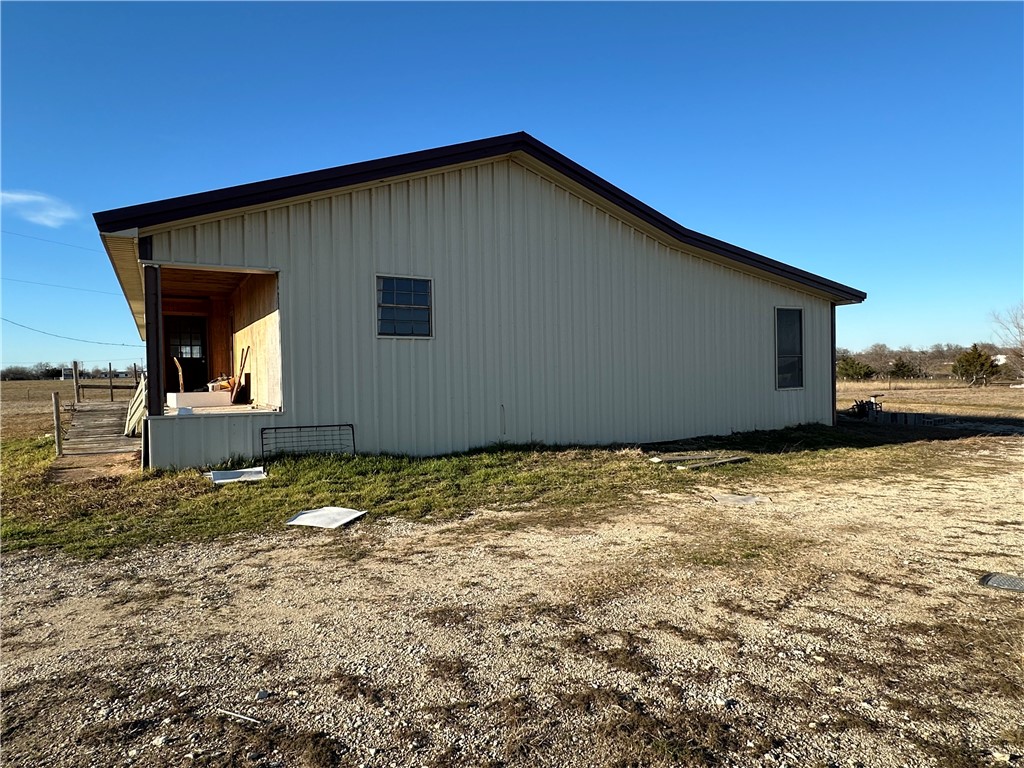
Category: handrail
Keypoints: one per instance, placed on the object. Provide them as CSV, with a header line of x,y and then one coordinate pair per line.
x,y
136,409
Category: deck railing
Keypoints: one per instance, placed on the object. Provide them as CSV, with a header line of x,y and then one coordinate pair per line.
x,y
136,409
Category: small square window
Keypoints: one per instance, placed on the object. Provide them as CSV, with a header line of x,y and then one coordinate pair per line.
x,y
404,307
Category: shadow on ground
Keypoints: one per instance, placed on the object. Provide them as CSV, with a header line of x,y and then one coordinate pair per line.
x,y
848,433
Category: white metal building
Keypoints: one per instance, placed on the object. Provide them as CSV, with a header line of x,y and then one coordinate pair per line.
x,y
458,297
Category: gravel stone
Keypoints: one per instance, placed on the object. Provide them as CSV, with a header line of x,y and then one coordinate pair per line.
x,y
611,639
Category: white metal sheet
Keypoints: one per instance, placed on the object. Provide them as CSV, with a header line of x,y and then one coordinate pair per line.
x,y
249,475
326,517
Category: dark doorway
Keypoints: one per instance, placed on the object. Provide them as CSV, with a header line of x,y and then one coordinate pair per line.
x,y
186,341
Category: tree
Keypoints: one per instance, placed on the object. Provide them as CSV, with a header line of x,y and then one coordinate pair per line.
x,y
902,368
878,356
47,371
975,366
938,360
916,358
852,369
1010,333
16,373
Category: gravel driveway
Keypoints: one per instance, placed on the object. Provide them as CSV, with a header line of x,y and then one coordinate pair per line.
x,y
829,624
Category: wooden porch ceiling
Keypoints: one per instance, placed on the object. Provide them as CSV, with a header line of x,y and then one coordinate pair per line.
x,y
198,283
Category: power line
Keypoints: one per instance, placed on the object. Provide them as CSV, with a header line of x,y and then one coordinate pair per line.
x,y
55,242
69,338
53,285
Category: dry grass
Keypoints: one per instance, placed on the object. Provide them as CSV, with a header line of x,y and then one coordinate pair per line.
x,y
450,615
306,748
957,399
36,392
636,732
360,688
26,407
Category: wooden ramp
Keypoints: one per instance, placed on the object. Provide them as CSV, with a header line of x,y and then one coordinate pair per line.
x,y
99,428
95,445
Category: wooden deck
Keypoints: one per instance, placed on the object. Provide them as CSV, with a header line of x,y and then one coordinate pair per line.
x,y
95,446
98,428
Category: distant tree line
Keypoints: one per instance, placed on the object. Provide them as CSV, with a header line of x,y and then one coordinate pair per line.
x,y
37,371
51,371
975,365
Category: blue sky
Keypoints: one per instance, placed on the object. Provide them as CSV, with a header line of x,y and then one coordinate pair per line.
x,y
877,144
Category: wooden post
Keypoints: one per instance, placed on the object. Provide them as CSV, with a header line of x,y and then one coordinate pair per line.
x,y
135,372
155,375
110,379
56,424
74,375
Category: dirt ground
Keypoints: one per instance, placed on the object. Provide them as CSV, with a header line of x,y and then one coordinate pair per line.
x,y
829,624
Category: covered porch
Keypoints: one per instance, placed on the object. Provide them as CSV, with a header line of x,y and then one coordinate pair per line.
x,y
216,344
213,352
222,327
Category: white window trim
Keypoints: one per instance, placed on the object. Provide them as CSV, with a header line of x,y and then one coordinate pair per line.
x,y
775,352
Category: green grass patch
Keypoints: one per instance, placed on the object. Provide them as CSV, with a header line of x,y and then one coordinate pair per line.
x,y
96,517
550,487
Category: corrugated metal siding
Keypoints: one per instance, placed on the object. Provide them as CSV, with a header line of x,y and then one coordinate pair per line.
x,y
554,320
188,441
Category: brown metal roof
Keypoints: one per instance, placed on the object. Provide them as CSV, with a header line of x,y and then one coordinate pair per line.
x,y
272,190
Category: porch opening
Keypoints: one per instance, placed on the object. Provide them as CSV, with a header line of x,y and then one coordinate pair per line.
x,y
219,340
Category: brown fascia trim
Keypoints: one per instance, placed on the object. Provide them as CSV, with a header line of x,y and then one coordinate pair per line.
x,y
272,190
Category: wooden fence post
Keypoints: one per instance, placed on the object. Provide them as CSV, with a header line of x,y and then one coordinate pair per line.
x,y
135,372
58,439
74,375
110,379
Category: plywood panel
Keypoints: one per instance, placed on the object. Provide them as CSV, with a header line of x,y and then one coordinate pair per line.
x,y
257,326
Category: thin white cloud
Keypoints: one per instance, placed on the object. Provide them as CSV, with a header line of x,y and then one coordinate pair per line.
x,y
38,208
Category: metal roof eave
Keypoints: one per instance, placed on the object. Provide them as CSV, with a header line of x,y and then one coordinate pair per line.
x,y
123,251
273,190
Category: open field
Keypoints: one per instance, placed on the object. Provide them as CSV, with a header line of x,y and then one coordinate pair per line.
x,y
26,407
525,607
937,397
35,391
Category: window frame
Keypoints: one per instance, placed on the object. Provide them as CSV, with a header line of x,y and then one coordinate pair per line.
x,y
380,305
779,356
